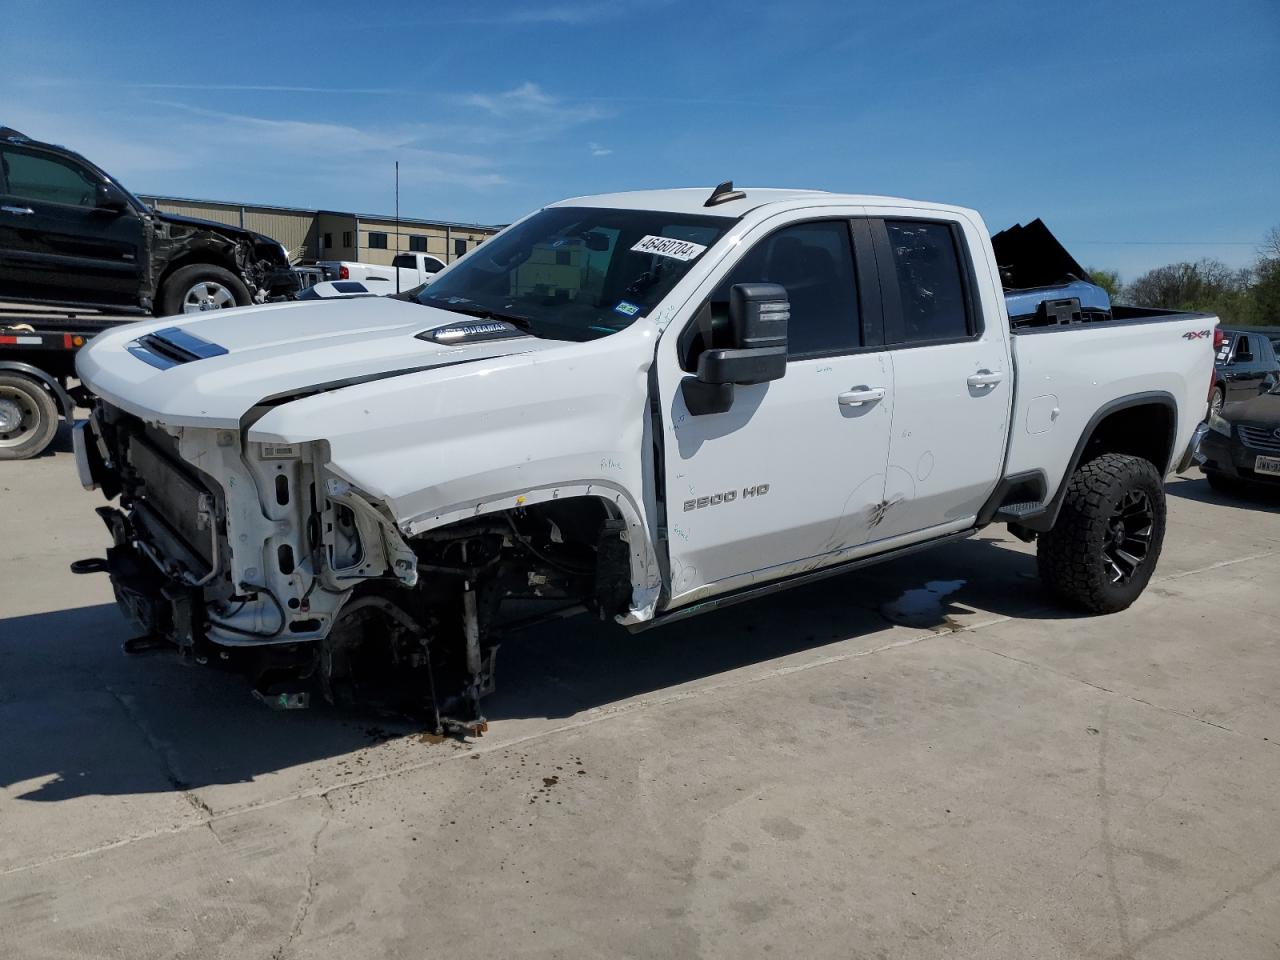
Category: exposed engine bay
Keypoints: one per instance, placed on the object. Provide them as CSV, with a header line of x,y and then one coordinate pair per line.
x,y
258,557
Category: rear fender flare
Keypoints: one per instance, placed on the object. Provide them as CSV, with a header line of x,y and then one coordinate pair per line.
x,y
1046,520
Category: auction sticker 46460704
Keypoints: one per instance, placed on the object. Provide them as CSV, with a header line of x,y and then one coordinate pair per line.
x,y
669,247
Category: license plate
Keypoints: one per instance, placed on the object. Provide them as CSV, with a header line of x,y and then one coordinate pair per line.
x,y
1267,465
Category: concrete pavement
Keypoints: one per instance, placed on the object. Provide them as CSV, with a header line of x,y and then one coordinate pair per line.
x,y
928,759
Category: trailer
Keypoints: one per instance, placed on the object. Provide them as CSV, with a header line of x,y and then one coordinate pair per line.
x,y
37,371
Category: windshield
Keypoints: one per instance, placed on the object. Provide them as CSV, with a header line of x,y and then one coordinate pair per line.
x,y
572,273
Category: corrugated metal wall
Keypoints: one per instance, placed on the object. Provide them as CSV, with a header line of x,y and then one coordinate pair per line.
x,y
300,230
297,231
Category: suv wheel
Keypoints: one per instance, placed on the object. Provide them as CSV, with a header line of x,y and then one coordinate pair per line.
x,y
1216,399
28,417
200,287
1104,545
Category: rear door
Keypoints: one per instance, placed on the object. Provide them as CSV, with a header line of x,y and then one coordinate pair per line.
x,y
953,379
55,242
791,475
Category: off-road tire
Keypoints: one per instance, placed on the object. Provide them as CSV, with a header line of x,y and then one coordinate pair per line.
x,y
1071,555
40,420
178,283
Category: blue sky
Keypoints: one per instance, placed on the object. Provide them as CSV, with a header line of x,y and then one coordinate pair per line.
x,y
1142,132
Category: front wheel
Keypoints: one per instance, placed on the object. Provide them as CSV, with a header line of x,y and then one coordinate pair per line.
x,y
1104,545
200,287
28,417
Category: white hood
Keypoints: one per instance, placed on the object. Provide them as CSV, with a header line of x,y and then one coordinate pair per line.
x,y
273,351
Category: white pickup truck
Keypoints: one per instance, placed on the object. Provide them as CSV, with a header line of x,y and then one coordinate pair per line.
x,y
412,269
642,405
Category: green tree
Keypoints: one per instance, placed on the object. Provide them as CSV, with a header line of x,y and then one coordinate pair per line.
x,y
1206,285
1266,281
1108,280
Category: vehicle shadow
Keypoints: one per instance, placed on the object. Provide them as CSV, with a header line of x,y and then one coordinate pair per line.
x,y
564,669
1266,499
81,718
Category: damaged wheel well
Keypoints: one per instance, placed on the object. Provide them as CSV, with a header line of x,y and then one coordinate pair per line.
x,y
205,255
479,580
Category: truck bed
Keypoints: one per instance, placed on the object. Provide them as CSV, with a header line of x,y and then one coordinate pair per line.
x,y
1068,374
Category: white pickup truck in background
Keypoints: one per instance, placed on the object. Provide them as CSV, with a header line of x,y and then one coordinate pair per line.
x,y
412,270
640,405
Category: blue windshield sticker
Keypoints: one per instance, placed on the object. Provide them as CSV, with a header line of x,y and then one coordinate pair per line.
x,y
626,308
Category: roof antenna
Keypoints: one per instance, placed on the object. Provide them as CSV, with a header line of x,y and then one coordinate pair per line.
x,y
723,194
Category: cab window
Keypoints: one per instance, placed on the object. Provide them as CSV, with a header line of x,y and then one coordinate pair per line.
x,y
47,179
814,261
930,282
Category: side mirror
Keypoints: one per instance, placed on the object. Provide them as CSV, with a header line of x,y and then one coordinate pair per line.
x,y
758,318
111,198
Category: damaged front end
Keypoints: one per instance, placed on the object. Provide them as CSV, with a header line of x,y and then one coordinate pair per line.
x,y
258,556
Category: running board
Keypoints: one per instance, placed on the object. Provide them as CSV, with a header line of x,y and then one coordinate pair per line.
x,y
800,579
1017,512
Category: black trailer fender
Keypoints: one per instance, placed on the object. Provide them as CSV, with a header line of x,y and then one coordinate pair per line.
x,y
65,403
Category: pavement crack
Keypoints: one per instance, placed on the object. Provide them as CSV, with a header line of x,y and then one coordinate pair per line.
x,y
309,891
958,635
161,750
1107,841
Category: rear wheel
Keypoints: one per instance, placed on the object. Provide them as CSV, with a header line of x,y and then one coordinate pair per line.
x,y
200,287
1104,545
28,417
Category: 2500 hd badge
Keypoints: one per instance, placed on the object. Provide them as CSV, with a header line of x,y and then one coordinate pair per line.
x,y
729,496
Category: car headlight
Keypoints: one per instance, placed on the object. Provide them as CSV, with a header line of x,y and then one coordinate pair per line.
x,y
1218,425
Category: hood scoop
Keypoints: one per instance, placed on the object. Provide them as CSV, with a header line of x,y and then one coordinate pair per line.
x,y
478,331
173,346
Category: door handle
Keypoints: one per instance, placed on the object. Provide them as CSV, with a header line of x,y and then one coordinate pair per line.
x,y
985,378
18,211
860,395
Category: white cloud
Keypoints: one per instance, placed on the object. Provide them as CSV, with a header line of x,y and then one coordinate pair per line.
x,y
531,104
598,151
569,14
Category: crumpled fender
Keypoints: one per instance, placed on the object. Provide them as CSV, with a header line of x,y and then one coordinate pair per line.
x,y
442,445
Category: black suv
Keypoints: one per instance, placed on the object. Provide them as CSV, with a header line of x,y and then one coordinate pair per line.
x,y
1244,366
71,235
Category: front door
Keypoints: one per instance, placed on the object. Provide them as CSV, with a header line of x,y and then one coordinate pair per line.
x,y
55,242
953,382
791,475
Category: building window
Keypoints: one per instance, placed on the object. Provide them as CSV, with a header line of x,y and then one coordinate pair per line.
x,y
346,238
327,242
459,247
377,241
418,244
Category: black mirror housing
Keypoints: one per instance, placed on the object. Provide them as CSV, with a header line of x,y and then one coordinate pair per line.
x,y
758,318
751,365
110,197
758,315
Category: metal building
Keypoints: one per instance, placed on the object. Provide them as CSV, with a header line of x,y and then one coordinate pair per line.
x,y
332,235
